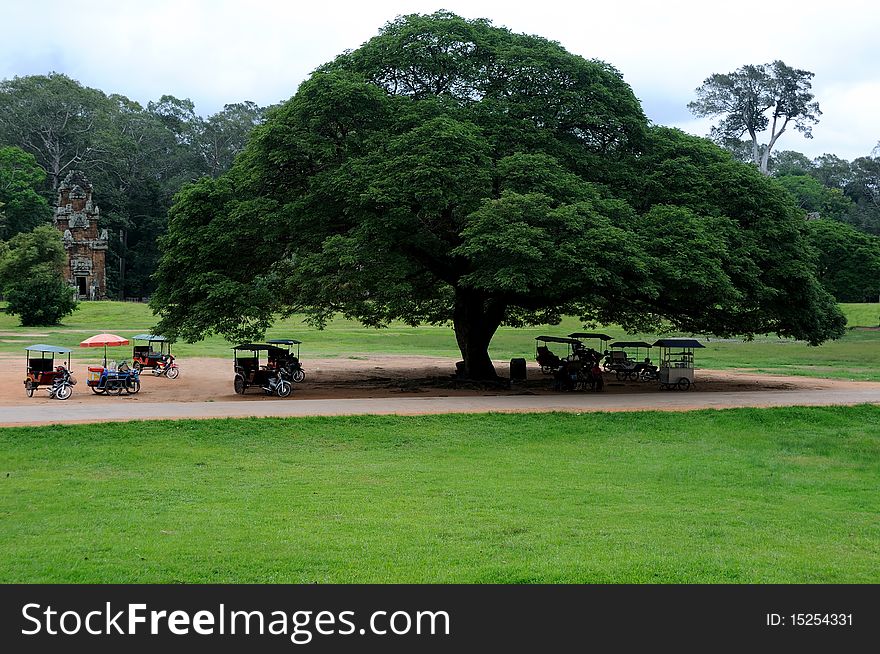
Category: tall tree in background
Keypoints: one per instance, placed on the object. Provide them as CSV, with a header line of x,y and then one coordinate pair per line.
x,y
754,98
54,118
21,206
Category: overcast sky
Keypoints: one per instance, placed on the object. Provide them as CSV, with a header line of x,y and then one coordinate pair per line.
x,y
222,51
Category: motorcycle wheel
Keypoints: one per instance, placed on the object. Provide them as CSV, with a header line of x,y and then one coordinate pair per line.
x,y
621,375
63,392
29,388
284,388
133,386
299,375
173,372
115,389
239,385
97,391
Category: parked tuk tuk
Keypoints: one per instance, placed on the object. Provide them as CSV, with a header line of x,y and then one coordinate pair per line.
x,y
159,361
625,359
549,361
280,356
249,373
677,362
42,371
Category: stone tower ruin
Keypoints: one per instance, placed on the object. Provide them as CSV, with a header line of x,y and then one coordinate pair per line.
x,y
76,217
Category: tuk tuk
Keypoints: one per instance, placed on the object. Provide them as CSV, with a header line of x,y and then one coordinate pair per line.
x,y
625,359
42,371
249,373
677,362
280,356
159,361
549,361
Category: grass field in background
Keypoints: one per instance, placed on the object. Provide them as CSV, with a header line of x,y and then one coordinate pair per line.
x,y
745,495
856,356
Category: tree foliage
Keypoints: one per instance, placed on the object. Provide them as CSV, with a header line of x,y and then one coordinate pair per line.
x,y
31,275
451,171
849,260
754,98
137,158
21,206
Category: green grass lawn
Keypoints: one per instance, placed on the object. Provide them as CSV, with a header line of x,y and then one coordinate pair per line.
x,y
856,356
750,495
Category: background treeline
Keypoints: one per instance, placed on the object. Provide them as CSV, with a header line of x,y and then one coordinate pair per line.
x,y
136,157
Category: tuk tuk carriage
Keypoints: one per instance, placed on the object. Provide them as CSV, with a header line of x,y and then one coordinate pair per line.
x,y
111,378
280,356
159,361
42,371
549,361
625,359
250,374
677,362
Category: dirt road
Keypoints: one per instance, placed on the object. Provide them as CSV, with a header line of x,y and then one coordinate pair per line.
x,y
401,385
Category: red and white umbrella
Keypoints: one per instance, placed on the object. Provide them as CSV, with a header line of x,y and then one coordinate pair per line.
x,y
105,341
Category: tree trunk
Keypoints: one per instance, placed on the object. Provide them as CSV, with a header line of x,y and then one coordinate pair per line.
x,y
475,319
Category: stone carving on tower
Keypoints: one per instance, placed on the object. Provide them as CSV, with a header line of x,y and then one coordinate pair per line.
x,y
76,217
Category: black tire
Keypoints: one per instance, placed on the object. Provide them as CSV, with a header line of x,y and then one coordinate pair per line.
x,y
299,375
64,392
115,389
284,388
684,384
97,391
621,375
133,386
29,388
239,385
173,373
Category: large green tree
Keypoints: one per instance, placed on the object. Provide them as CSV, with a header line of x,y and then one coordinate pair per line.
x,y
31,276
754,98
451,171
21,206
849,260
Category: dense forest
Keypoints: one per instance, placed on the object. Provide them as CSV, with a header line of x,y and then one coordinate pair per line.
x,y
138,157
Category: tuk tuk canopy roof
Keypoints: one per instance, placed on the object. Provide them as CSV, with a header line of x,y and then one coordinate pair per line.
x,y
54,349
284,341
604,337
631,344
679,342
254,347
557,339
149,337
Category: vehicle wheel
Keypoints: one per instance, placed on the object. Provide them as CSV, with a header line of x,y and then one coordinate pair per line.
x,y
632,375
64,391
299,375
115,389
29,388
239,385
137,365
621,375
284,388
133,386
684,383
173,372
96,390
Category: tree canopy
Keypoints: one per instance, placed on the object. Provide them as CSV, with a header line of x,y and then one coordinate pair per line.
x,y
755,97
21,206
452,171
